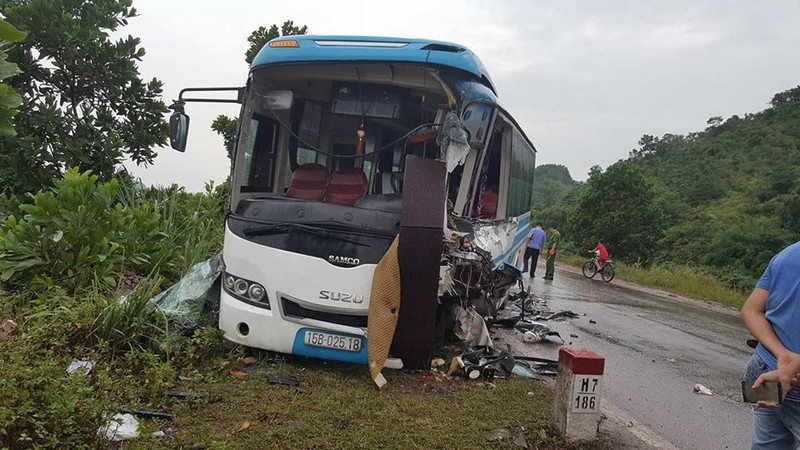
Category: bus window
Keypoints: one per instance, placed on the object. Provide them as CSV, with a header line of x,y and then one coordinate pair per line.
x,y
476,119
259,154
520,184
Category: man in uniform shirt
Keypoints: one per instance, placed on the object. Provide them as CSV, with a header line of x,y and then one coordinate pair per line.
x,y
553,238
535,241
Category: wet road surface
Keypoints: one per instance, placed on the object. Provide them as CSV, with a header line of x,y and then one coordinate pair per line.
x,y
656,350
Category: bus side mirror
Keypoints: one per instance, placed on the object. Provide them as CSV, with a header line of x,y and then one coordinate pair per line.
x,y
178,130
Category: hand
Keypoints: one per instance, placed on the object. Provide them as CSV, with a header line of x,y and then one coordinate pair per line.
x,y
788,374
552,251
772,377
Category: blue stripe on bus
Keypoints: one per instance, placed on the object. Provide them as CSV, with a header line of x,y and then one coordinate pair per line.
x,y
301,348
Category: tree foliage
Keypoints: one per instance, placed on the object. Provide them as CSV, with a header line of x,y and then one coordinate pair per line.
x,y
226,126
83,100
729,195
9,98
618,205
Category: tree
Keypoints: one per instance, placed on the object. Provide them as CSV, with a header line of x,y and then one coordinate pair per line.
x,y
620,206
83,100
9,98
226,126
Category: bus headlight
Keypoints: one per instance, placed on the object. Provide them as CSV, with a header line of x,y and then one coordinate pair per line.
x,y
245,290
256,292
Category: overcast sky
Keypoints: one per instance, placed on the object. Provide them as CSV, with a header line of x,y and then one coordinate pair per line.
x,y
584,79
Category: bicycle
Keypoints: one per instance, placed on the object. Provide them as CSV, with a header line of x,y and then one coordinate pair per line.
x,y
606,270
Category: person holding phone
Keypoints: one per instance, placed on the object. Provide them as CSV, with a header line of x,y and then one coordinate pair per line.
x,y
772,313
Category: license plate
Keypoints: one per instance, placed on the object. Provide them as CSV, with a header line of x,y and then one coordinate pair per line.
x,y
334,341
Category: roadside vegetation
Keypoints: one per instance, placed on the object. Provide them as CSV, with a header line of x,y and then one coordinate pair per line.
x,y
682,280
700,214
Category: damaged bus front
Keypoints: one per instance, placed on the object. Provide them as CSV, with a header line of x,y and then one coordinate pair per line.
x,y
326,128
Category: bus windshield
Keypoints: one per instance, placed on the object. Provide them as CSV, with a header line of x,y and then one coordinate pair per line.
x,y
345,137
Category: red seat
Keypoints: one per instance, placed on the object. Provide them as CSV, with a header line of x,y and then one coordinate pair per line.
x,y
346,186
308,182
489,204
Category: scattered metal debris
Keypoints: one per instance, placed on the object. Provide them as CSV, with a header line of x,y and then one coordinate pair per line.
x,y
471,327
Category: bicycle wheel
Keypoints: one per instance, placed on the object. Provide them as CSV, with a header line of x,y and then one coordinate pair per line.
x,y
607,272
589,270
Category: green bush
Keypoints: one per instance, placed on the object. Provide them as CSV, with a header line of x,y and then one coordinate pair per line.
x,y
41,406
77,235
83,233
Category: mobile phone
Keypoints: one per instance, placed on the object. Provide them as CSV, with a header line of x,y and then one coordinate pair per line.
x,y
770,391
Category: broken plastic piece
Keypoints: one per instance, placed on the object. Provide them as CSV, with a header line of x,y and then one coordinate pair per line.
x,y
497,435
148,414
80,367
120,427
453,139
286,381
700,389
7,328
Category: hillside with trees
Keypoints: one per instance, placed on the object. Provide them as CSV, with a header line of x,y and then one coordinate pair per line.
x,y
723,200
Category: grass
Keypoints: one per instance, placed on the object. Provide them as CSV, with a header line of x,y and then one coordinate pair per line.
x,y
337,407
678,279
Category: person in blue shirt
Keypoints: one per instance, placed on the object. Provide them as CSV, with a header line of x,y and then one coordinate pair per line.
x,y
772,315
535,241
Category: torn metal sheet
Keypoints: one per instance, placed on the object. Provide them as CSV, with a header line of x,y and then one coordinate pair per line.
x,y
471,328
496,238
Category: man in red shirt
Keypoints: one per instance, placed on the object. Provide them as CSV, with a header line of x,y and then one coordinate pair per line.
x,y
602,254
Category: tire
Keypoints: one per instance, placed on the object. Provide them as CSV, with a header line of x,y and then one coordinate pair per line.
x,y
607,272
589,270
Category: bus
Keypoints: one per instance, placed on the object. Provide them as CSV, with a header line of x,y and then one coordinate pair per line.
x,y
325,132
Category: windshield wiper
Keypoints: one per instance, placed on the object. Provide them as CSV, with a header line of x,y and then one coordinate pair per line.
x,y
279,228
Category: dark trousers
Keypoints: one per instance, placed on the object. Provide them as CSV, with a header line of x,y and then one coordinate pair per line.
x,y
532,253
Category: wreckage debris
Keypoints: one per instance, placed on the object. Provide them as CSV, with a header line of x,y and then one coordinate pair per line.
x,y
7,328
700,389
285,381
487,364
120,427
497,435
80,367
147,414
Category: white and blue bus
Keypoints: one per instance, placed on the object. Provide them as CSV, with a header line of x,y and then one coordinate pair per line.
x,y
325,127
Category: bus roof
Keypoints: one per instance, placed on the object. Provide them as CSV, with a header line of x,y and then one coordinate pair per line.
x,y
310,48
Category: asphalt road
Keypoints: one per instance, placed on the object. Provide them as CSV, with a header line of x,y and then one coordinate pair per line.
x,y
656,350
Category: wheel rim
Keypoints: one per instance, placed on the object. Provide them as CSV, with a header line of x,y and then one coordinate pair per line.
x,y
607,273
589,271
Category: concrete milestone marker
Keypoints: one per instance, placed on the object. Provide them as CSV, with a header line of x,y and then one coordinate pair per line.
x,y
578,390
